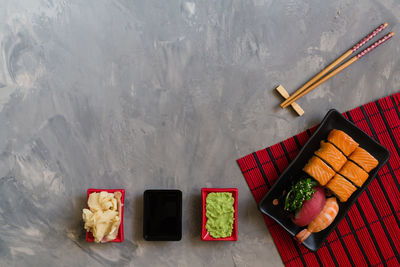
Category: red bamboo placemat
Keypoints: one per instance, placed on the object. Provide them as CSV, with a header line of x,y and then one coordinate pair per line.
x,y
370,232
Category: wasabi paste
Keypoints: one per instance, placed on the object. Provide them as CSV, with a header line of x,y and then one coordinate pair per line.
x,y
219,213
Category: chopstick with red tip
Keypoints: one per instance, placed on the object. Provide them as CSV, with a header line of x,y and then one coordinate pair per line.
x,y
342,67
289,100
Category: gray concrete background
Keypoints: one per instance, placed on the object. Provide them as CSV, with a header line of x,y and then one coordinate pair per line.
x,y
162,94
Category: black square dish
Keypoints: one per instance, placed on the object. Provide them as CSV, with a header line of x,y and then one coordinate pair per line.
x,y
332,120
162,215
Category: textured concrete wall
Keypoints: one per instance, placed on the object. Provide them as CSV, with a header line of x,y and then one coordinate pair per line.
x,y
161,94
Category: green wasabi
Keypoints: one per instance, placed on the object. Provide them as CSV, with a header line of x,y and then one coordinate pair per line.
x,y
219,213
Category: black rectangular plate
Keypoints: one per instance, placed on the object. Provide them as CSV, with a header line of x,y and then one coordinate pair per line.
x,y
162,215
332,120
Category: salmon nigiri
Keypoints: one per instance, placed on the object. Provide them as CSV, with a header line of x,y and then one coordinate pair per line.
x,y
364,159
322,221
341,187
342,141
354,173
318,170
331,155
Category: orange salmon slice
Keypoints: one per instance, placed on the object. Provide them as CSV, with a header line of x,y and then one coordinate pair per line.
x,y
341,140
318,169
354,173
364,159
341,187
331,155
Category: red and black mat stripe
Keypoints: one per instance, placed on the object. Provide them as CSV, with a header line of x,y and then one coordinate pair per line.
x,y
377,212
370,233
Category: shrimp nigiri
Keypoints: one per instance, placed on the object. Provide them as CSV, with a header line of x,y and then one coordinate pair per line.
x,y
322,221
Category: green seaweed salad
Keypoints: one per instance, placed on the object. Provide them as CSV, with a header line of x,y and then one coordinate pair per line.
x,y
301,191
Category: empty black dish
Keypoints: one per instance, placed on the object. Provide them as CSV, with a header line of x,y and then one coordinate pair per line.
x,y
162,218
332,120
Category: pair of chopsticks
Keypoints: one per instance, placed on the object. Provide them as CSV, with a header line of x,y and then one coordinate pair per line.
x,y
316,81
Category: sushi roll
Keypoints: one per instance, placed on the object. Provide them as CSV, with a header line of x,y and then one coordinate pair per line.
x,y
354,173
331,155
364,159
341,187
319,170
341,140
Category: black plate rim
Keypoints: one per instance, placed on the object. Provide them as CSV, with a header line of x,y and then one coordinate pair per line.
x,y
322,124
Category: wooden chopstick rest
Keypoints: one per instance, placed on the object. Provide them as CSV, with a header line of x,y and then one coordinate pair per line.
x,y
285,95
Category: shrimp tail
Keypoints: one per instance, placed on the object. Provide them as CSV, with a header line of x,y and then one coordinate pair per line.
x,y
303,235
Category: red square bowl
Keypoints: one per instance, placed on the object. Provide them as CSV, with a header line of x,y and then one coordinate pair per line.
x,y
205,236
120,236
